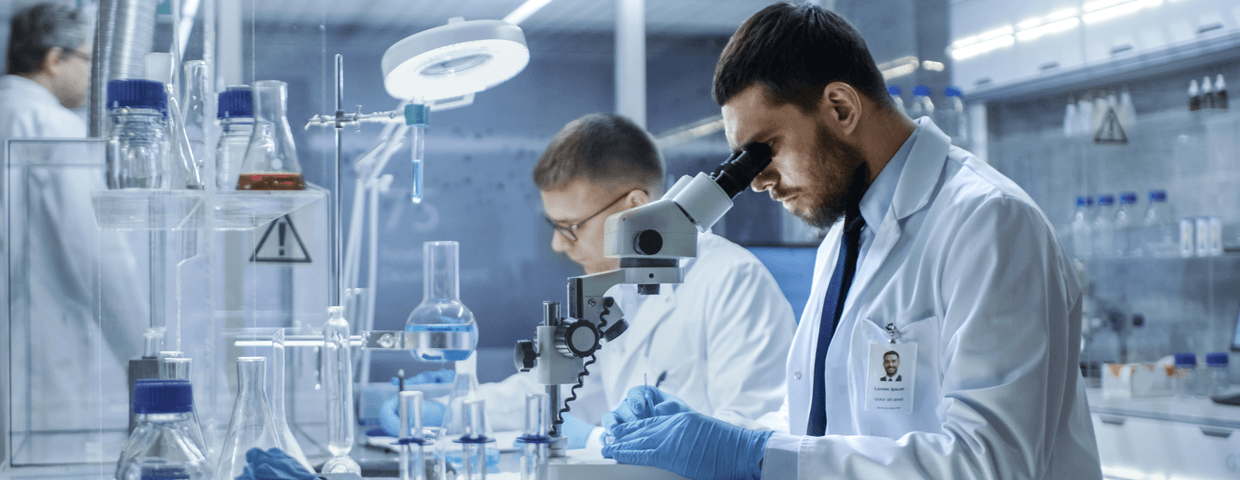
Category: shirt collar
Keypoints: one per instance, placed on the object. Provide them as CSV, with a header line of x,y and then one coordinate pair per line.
x,y
877,198
27,85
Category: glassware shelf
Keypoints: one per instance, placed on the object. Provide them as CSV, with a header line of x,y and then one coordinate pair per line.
x,y
134,209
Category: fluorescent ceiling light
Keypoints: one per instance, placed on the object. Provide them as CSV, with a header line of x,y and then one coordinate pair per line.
x,y
984,36
454,60
525,11
933,66
1055,27
1101,4
899,67
980,48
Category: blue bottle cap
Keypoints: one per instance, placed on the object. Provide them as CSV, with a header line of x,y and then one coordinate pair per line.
x,y
952,92
417,115
921,90
236,102
1089,201
1128,197
893,90
1216,359
1158,195
1185,360
1080,201
136,93
162,396
1106,199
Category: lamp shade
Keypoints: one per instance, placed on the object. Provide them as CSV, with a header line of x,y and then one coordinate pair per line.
x,y
452,60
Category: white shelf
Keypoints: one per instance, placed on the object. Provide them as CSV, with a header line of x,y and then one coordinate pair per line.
x,y
1198,410
135,209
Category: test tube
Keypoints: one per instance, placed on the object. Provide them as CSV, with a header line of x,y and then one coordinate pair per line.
x,y
535,439
411,467
473,443
417,116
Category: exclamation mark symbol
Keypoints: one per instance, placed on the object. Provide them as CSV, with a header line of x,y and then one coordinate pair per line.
x,y
282,239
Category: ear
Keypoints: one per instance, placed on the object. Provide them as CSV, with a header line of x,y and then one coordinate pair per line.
x,y
55,56
841,107
636,199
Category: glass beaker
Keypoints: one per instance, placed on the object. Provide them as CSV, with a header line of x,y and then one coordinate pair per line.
x,y
291,447
271,159
338,382
251,425
444,327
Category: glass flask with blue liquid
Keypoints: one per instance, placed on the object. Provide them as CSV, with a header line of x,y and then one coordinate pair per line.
x,y
444,327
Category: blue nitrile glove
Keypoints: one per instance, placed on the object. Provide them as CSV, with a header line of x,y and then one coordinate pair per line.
x,y
273,464
576,430
636,406
691,445
389,416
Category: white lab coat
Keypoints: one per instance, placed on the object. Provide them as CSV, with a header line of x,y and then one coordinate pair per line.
x,y
722,338
966,265
79,276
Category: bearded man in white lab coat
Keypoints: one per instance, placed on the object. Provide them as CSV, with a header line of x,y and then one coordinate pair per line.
x,y
85,315
932,254
718,340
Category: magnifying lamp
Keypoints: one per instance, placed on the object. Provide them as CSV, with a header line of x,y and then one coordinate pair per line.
x,y
454,60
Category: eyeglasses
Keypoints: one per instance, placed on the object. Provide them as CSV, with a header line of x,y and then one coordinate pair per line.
x,y
74,53
569,230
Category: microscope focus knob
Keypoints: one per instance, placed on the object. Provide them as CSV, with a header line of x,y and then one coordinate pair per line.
x,y
648,242
577,339
525,357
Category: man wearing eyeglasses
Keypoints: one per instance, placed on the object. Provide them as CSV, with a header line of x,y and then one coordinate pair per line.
x,y
718,341
77,283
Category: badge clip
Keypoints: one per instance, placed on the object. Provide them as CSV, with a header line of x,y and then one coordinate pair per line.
x,y
892,332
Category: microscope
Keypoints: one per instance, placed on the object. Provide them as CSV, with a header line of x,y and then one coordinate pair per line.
x,y
650,241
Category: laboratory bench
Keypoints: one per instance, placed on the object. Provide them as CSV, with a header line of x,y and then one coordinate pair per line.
x,y
1165,437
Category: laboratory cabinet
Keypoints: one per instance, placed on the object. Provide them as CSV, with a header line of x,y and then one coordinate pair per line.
x,y
1166,437
96,278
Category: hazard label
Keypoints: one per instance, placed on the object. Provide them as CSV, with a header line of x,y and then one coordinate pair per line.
x,y
281,244
1111,131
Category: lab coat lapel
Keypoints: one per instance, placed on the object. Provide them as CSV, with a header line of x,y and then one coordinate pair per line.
x,y
913,191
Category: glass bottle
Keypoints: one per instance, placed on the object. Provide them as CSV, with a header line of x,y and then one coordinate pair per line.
x,y
271,158
444,326
138,147
179,368
1216,377
1069,118
161,447
251,425
291,447
894,91
1082,240
1161,229
1102,231
338,382
1123,226
922,106
236,116
1185,374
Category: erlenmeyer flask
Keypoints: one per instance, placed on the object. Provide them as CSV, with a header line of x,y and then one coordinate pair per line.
x,y
271,159
444,326
291,447
251,425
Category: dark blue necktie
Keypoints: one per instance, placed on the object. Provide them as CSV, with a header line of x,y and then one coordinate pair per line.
x,y
832,308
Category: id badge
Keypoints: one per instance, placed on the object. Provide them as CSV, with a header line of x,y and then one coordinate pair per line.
x,y
891,374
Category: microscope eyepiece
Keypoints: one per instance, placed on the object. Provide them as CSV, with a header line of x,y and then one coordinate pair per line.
x,y
739,170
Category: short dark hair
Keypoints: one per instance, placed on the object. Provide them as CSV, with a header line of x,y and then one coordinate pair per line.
x,y
603,148
794,51
35,30
891,352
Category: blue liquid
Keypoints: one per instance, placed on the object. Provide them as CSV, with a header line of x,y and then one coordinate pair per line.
x,y
456,457
417,181
445,342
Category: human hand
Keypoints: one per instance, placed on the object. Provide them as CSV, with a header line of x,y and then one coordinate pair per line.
x,y
691,445
389,416
273,464
637,405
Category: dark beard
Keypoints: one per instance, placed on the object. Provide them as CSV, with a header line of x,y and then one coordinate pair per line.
x,y
842,191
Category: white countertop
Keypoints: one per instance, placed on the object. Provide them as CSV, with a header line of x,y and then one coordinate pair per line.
x,y
1180,409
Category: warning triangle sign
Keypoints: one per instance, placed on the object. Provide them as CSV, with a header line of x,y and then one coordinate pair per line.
x,y
1111,132
281,244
